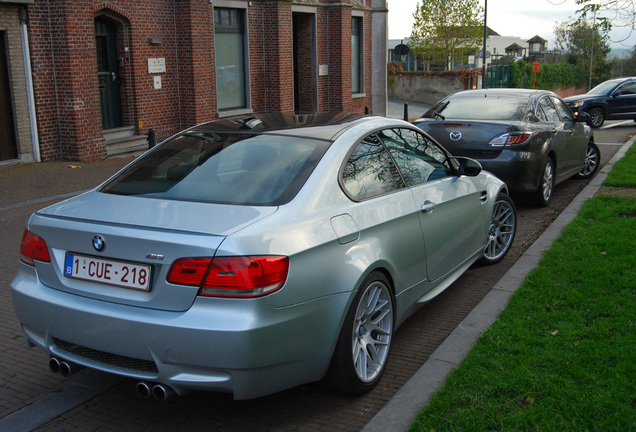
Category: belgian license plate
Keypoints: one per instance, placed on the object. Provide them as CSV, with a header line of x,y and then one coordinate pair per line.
x,y
111,272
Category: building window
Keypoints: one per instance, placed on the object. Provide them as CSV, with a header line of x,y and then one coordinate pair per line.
x,y
357,83
229,50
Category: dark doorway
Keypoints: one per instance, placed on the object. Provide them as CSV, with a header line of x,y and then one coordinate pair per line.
x,y
108,72
305,80
8,147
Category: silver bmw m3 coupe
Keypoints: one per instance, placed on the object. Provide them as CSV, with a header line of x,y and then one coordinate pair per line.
x,y
250,255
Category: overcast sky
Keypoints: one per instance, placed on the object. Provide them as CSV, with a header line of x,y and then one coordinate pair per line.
x,y
521,18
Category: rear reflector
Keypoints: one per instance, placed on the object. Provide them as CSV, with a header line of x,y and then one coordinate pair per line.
x,y
236,277
32,248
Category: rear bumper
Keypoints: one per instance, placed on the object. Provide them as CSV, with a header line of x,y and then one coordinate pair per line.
x,y
244,347
520,170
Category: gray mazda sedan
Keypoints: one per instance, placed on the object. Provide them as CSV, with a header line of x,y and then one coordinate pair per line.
x,y
528,138
250,255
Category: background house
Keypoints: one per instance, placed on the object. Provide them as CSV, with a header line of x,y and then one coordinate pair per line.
x,y
104,72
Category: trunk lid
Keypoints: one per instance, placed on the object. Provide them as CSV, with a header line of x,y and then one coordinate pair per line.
x,y
468,138
135,232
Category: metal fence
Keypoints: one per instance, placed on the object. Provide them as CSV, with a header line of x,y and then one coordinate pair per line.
x,y
498,76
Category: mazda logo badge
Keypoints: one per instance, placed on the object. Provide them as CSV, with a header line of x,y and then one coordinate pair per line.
x,y
455,135
99,243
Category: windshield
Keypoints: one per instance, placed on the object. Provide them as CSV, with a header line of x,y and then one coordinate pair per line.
x,y
480,108
242,169
603,88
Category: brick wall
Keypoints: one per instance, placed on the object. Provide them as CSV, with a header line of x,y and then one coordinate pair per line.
x,y
63,53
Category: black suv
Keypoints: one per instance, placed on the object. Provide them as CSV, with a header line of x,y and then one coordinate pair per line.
x,y
614,99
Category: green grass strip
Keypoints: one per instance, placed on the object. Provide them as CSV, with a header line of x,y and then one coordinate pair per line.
x,y
562,355
623,174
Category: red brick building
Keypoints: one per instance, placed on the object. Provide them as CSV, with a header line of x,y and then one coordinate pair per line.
x,y
104,72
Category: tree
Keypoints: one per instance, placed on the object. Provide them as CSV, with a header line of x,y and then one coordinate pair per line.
x,y
609,14
575,39
447,30
626,66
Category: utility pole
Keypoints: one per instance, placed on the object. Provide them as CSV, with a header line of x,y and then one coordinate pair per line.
x,y
483,70
592,54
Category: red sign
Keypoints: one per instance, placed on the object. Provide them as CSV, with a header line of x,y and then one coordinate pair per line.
x,y
536,66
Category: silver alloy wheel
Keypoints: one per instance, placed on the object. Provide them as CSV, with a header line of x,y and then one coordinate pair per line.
x,y
547,182
592,157
597,118
503,226
372,331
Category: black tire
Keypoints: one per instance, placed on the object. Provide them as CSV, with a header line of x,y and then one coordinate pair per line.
x,y
362,350
501,234
592,162
546,185
597,117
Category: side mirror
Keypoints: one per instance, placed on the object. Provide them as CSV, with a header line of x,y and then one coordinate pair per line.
x,y
468,167
582,117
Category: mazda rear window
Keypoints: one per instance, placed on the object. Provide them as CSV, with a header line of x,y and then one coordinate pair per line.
x,y
480,108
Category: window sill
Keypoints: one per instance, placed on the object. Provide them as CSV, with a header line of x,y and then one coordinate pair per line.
x,y
358,95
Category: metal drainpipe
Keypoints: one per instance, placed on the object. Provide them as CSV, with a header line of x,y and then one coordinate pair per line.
x,y
29,83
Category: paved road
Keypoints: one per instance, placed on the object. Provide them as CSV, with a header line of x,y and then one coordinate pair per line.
x,y
29,389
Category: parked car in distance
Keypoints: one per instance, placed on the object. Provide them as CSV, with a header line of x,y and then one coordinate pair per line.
x,y
249,255
614,99
528,138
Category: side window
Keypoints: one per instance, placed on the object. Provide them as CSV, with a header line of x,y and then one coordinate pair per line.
x,y
549,110
418,158
370,171
564,111
627,88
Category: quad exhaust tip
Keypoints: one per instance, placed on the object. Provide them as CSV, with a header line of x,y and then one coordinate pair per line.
x,y
159,392
63,367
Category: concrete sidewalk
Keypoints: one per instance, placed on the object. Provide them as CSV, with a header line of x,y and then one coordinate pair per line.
x,y
414,109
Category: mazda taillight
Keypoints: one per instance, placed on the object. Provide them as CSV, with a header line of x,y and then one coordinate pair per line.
x,y
33,247
236,277
510,139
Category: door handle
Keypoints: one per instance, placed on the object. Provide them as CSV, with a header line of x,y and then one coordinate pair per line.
x,y
114,75
428,207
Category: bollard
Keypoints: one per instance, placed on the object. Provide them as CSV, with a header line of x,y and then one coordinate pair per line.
x,y
152,138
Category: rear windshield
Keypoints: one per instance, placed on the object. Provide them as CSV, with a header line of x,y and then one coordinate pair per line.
x,y
238,169
480,108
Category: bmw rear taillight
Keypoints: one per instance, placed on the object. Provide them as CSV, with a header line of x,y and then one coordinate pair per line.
x,y
236,277
33,247
510,139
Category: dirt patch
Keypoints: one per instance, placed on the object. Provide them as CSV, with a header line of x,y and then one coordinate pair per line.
x,y
617,191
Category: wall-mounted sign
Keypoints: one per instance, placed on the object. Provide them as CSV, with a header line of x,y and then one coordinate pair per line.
x,y
323,70
157,82
156,65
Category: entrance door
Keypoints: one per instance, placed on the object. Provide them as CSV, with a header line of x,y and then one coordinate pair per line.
x,y
108,70
8,147
305,79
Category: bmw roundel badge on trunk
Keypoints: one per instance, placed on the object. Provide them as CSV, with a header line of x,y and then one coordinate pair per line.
x,y
99,243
